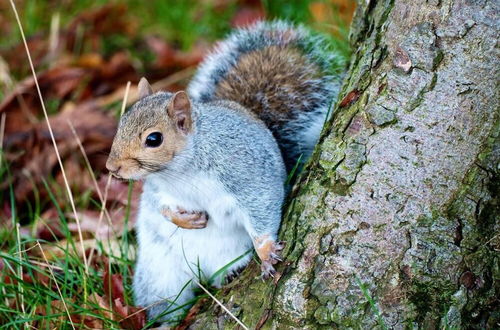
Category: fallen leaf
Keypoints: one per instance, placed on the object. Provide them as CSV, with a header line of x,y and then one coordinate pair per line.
x,y
94,127
247,16
133,317
192,314
113,286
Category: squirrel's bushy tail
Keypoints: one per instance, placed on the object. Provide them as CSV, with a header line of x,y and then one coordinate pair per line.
x,y
286,75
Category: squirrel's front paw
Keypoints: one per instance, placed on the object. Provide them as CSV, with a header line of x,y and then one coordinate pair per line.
x,y
187,219
269,253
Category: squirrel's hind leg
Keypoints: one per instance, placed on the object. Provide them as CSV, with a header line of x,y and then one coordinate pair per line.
x,y
264,237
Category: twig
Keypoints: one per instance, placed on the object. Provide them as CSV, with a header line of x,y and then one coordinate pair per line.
x,y
102,198
2,129
103,207
89,167
68,189
221,305
125,97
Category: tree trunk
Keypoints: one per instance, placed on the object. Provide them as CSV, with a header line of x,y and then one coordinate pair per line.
x,y
395,222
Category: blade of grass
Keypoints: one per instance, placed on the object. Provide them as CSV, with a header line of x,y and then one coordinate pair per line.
x,y
54,34
56,149
294,169
57,285
20,269
224,269
372,303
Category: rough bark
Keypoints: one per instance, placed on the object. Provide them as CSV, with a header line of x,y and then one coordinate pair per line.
x,y
395,223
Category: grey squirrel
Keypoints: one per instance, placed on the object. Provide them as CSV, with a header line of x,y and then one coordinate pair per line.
x,y
212,159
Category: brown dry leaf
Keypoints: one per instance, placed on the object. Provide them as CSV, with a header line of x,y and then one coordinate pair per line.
x,y
89,60
38,159
113,286
130,317
323,12
56,307
169,59
84,32
106,20
102,304
345,9
247,15
113,74
34,278
133,317
192,314
23,102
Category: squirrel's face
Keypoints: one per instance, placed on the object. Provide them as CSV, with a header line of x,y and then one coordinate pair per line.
x,y
150,134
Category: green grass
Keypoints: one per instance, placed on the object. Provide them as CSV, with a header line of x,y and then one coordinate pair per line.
x,y
30,291
372,302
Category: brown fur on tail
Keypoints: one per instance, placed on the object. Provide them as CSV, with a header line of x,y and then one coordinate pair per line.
x,y
273,82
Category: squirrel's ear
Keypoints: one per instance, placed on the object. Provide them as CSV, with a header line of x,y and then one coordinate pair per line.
x,y
179,109
144,88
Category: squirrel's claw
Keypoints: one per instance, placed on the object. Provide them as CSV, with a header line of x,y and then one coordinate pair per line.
x,y
269,253
275,258
267,270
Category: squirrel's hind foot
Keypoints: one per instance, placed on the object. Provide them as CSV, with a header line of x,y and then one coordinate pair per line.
x,y
269,253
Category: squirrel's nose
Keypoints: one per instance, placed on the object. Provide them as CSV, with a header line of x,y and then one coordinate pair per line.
x,y
113,167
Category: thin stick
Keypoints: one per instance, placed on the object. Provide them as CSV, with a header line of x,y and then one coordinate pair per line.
x,y
57,285
103,207
89,167
25,250
2,129
104,199
125,97
68,189
38,263
221,305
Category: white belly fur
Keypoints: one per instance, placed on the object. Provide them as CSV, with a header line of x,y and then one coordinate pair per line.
x,y
176,254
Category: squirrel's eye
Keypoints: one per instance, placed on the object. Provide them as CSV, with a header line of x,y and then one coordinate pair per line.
x,y
154,140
